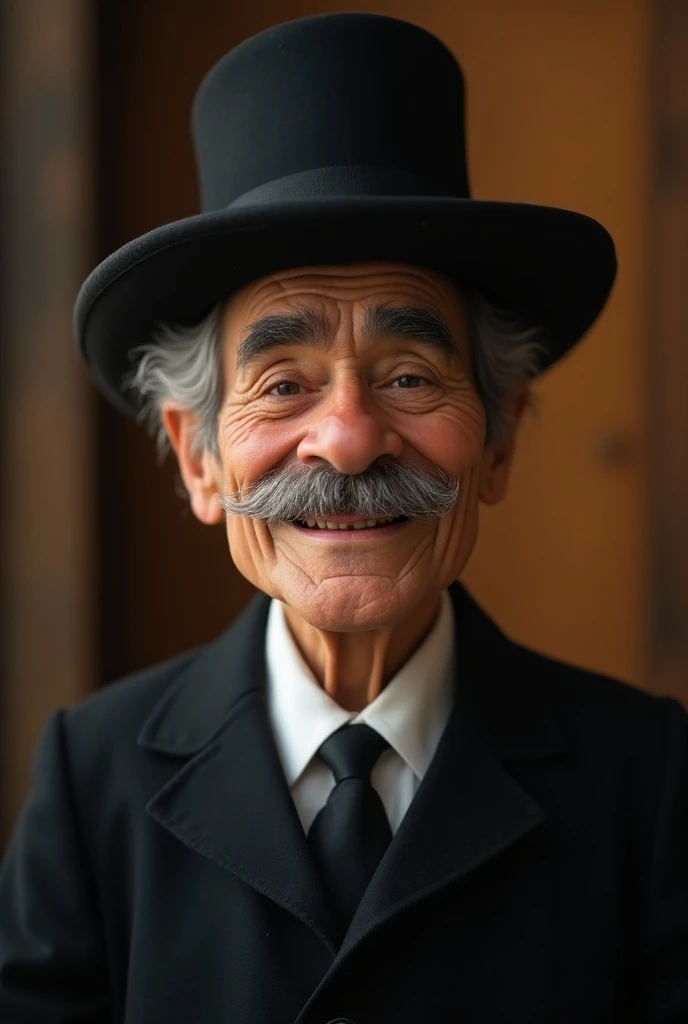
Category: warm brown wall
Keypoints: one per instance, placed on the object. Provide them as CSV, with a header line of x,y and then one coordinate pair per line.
x,y
166,582
667,353
46,440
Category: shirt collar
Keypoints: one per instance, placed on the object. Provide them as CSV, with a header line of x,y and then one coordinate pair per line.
x,y
410,713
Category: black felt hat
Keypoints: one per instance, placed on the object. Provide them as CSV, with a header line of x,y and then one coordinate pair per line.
x,y
338,139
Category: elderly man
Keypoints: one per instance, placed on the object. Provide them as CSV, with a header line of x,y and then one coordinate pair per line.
x,y
363,802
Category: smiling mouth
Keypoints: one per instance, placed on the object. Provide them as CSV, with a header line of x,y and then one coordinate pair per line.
x,y
358,524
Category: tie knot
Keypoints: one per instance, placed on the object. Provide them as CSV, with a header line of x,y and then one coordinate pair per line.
x,y
351,752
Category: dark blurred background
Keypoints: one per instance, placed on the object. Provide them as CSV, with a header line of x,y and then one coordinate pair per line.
x,y
103,569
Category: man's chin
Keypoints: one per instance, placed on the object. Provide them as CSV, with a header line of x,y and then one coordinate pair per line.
x,y
350,604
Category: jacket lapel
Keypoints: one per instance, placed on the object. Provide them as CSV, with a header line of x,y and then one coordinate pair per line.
x,y
468,808
230,802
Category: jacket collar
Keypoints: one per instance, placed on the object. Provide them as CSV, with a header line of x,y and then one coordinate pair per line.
x,y
196,706
498,686
467,810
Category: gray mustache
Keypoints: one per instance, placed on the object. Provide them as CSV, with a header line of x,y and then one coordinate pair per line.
x,y
387,489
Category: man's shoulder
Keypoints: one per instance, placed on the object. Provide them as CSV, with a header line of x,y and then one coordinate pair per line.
x,y
519,686
120,708
591,705
570,684
174,704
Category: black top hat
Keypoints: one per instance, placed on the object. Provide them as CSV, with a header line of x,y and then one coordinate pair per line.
x,y
338,139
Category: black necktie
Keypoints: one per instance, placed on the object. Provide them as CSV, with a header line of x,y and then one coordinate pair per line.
x,y
350,834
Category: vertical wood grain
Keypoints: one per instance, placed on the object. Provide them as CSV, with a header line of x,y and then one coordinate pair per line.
x,y
667,366
46,585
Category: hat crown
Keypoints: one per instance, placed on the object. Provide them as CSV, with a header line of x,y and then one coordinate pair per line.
x,y
335,104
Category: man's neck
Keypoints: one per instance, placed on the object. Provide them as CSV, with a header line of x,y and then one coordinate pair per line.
x,y
353,668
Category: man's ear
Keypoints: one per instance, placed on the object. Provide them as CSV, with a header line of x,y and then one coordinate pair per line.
x,y
498,456
201,473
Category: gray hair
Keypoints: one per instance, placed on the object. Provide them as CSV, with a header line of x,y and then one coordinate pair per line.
x,y
385,490
185,364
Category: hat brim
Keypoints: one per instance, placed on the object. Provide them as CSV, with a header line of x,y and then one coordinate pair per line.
x,y
554,267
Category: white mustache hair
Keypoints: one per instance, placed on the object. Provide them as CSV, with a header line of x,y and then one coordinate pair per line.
x,y
298,492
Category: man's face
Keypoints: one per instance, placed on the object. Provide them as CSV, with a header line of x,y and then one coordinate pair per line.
x,y
346,389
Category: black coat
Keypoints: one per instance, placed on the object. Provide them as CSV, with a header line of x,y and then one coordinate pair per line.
x,y
159,873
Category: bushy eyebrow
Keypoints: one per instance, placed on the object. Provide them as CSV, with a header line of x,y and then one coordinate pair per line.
x,y
416,323
309,327
302,327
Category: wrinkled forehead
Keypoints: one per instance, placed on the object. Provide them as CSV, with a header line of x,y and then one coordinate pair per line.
x,y
352,289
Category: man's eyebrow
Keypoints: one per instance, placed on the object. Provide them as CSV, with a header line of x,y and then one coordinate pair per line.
x,y
302,327
417,323
310,327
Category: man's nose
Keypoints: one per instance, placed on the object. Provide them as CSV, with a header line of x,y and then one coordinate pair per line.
x,y
349,432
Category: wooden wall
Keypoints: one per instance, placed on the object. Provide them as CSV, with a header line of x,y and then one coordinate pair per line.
x,y
666,356
47,574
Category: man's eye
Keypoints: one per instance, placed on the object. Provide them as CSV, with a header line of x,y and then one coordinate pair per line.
x,y
285,388
410,380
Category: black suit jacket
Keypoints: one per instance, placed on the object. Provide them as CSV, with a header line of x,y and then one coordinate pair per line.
x,y
159,874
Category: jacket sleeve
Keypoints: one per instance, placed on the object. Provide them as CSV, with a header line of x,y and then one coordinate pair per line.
x,y
52,961
662,978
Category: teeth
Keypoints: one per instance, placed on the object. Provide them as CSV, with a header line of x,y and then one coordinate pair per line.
x,y
361,524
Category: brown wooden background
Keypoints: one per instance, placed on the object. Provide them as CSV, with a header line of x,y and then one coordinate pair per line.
x,y
102,567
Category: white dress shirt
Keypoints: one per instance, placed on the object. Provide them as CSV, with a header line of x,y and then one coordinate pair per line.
x,y
410,713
